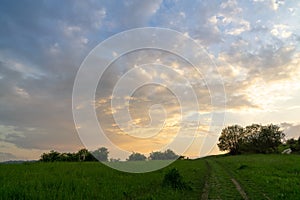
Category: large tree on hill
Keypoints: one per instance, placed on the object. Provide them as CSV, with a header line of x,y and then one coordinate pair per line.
x,y
251,138
270,138
255,138
262,139
230,139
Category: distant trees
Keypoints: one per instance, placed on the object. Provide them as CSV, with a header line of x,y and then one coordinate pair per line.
x,y
50,157
81,155
255,138
166,155
68,157
136,157
101,154
157,155
293,144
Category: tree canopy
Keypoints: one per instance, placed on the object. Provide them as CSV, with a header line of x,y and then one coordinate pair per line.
x,y
230,139
255,138
101,154
81,155
136,157
166,155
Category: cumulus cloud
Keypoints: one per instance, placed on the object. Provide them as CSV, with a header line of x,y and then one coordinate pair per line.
x,y
43,45
291,130
6,156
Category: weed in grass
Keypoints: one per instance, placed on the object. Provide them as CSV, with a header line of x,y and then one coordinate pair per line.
x,y
174,180
242,167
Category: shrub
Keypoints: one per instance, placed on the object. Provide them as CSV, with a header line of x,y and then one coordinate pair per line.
x,y
174,180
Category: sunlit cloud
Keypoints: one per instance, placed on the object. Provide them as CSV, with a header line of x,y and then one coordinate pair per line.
x,y
44,44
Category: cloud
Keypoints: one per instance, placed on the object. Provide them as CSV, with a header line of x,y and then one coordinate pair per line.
x,y
271,4
281,30
43,45
10,133
6,156
291,130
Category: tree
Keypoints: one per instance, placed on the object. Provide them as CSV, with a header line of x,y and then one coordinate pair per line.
x,y
270,138
262,139
82,154
65,157
250,141
255,138
101,154
170,155
166,155
293,144
50,157
136,157
157,155
114,160
231,138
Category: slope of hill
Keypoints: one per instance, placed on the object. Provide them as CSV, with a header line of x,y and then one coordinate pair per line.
x,y
216,177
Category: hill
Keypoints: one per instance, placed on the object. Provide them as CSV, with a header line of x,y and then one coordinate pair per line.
x,y
215,177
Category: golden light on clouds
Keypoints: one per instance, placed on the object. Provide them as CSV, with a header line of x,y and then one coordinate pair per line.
x,y
257,57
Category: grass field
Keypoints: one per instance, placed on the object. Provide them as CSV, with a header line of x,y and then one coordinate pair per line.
x,y
217,177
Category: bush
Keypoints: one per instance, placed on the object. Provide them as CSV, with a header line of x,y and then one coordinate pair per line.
x,y
174,180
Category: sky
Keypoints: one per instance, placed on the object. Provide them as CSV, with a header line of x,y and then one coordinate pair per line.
x,y
255,46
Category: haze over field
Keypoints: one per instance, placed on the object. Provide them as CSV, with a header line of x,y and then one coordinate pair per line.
x,y
255,45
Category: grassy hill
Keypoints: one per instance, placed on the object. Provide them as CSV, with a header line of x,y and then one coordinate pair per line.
x,y
216,177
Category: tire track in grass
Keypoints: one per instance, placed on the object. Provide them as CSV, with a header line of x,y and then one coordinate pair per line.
x,y
205,191
221,184
235,182
231,174
240,189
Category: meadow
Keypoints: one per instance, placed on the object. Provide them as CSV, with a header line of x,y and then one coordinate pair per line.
x,y
215,177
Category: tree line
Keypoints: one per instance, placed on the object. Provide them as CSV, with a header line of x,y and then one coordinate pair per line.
x,y
235,139
102,153
255,138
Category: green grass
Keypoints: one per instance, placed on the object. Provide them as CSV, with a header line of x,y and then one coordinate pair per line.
x,y
94,181
139,166
269,176
260,177
220,186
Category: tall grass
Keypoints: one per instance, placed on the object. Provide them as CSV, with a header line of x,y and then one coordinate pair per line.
x,y
93,181
260,176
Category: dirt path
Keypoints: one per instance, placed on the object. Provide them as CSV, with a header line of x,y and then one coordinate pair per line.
x,y
206,189
235,182
239,188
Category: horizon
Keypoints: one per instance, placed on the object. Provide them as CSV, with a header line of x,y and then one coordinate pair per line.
x,y
248,73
